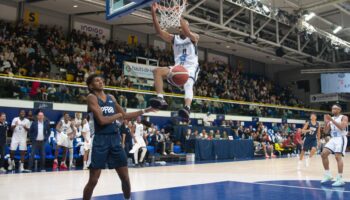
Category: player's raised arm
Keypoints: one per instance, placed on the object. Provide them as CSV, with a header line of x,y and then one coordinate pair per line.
x,y
131,115
187,32
95,109
163,34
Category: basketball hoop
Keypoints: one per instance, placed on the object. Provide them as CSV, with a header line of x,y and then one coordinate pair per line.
x,y
170,12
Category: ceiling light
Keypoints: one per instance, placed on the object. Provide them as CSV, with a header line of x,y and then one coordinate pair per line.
x,y
336,30
309,16
227,46
75,6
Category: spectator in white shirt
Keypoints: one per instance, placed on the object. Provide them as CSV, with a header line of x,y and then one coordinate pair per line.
x,y
207,120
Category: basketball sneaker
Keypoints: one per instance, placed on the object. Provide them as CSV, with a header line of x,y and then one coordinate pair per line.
x,y
2,170
184,112
21,167
327,177
12,165
338,182
63,166
158,103
55,165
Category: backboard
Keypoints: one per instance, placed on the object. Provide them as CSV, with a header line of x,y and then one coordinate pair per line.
x,y
119,8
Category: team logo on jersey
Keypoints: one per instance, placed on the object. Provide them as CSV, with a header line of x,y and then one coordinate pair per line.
x,y
107,109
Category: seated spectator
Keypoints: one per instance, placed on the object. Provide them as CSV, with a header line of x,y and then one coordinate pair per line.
x,y
217,135
168,144
211,135
194,135
204,134
288,143
224,135
297,140
267,145
207,121
188,134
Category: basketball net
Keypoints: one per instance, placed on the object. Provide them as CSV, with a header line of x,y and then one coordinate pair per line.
x,y
170,12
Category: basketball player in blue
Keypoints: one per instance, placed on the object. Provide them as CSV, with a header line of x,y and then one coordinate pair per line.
x,y
312,133
106,144
185,54
338,128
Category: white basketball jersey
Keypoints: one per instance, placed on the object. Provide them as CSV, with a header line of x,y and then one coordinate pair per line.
x,y
20,132
66,127
86,130
185,52
335,131
138,130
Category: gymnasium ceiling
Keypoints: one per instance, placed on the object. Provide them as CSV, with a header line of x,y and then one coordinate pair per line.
x,y
329,13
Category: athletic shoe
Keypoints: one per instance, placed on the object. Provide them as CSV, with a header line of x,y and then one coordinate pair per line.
x,y
21,167
164,153
2,170
85,166
184,113
326,178
172,153
267,156
338,182
55,165
273,156
137,165
11,165
43,170
26,171
158,103
71,166
63,166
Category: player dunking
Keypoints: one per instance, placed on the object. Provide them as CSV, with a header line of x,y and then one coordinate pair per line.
x,y
106,144
312,133
185,54
338,127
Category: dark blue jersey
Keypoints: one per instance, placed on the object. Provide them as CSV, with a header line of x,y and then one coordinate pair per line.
x,y
108,109
313,130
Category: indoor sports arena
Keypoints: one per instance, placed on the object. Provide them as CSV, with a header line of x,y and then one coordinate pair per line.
x,y
174,99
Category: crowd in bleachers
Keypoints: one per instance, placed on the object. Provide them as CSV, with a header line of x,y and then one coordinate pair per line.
x,y
269,141
77,55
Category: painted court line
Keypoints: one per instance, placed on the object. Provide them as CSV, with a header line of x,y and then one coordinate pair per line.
x,y
301,187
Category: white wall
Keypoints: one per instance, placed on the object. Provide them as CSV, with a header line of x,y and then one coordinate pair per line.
x,y
50,17
288,77
8,12
14,103
121,34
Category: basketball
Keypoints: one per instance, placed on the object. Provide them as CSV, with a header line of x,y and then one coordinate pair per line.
x,y
179,75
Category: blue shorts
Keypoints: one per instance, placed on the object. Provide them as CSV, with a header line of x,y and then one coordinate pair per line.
x,y
309,144
107,151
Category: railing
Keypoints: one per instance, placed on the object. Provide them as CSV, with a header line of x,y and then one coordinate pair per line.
x,y
72,92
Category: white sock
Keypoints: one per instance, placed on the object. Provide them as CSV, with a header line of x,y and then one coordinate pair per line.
x,y
327,172
160,95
